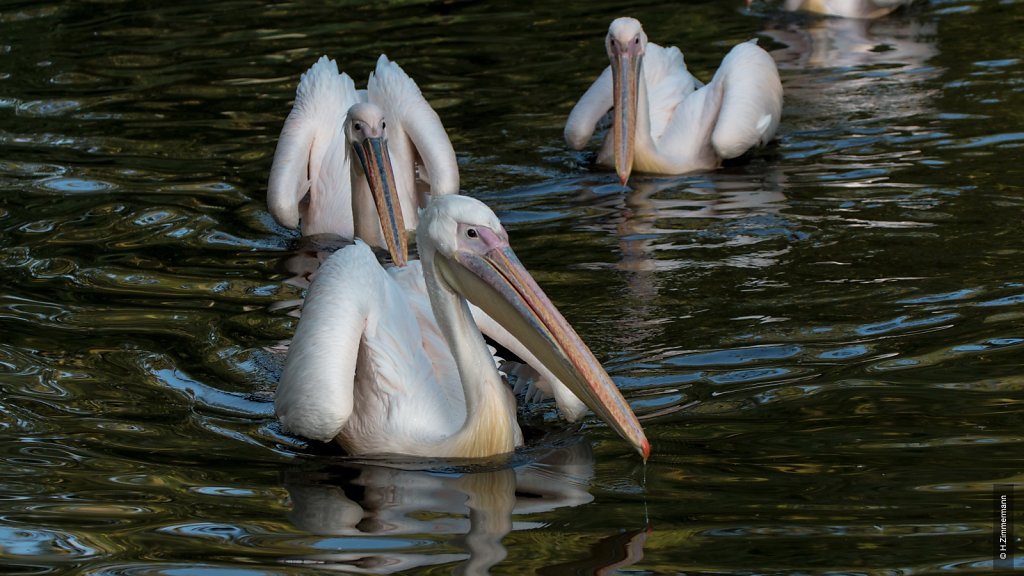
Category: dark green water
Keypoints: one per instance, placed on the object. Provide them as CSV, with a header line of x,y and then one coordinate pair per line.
x,y
825,341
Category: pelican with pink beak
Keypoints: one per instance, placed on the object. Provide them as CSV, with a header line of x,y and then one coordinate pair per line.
x,y
665,120
371,368
338,140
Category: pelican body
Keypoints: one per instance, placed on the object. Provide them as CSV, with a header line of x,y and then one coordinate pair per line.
x,y
383,374
664,120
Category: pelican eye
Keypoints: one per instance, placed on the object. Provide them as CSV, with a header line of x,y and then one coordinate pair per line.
x,y
636,40
357,126
383,124
472,233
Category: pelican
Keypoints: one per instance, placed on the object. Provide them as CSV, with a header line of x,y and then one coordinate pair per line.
x,y
366,368
665,121
313,179
848,8
393,134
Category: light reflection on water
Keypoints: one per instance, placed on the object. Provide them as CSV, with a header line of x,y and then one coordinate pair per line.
x,y
823,340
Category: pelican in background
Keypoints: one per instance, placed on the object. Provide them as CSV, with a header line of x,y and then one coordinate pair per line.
x,y
313,180
665,121
847,8
365,367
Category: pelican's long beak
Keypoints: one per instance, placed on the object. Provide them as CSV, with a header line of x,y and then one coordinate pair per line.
x,y
375,160
498,283
626,85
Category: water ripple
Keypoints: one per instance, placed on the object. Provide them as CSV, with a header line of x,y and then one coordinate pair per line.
x,y
38,545
904,323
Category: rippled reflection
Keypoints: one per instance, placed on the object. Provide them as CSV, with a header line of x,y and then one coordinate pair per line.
x,y
471,511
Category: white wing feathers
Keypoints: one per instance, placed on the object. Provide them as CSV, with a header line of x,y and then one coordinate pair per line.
x,y
315,395
356,317
398,95
751,100
668,84
592,106
311,145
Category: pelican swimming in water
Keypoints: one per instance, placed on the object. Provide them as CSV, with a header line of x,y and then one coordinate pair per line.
x,y
313,179
848,8
365,368
665,121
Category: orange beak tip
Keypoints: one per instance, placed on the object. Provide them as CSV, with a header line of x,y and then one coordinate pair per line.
x,y
623,176
645,450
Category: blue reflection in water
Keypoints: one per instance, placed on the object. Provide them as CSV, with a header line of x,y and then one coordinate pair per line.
x,y
75,185
736,356
40,544
845,352
904,323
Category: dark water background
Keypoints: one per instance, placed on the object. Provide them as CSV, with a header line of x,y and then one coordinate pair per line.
x,y
825,340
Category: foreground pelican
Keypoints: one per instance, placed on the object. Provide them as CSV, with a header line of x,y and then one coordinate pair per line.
x,y
665,121
313,179
364,367
848,8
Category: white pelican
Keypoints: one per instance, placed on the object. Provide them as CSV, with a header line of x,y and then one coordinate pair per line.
x,y
665,121
313,178
393,136
848,8
370,368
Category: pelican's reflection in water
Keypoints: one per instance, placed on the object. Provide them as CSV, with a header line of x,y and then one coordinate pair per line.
x,y
478,509
877,68
607,556
696,224
654,210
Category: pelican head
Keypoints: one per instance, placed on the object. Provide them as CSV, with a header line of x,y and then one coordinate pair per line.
x,y
625,43
465,249
365,129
